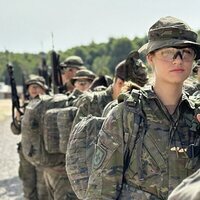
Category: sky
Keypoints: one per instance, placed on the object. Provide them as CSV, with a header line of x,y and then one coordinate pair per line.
x,y
40,25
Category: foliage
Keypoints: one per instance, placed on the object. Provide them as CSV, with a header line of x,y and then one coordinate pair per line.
x,y
100,58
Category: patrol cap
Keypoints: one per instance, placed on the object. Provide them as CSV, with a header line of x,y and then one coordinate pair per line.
x,y
83,74
170,32
72,62
101,82
120,70
38,80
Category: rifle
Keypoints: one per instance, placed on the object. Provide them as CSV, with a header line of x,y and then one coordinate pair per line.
x,y
56,73
25,91
15,97
43,70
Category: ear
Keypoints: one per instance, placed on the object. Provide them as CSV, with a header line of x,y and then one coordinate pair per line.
x,y
149,59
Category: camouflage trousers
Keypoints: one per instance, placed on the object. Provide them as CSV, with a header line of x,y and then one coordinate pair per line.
x,y
32,179
58,184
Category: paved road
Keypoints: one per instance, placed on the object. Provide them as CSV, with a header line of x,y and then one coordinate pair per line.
x,y
10,185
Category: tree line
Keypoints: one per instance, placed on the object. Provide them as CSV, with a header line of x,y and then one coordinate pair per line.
x,y
100,58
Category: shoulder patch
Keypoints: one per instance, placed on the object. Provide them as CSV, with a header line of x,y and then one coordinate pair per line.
x,y
99,157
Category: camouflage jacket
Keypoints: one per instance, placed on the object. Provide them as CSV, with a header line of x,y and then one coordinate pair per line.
x,y
156,161
92,103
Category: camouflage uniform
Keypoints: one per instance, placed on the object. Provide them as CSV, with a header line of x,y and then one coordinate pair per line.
x,y
92,103
148,169
143,151
34,187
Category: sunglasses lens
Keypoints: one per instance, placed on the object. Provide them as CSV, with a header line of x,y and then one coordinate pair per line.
x,y
170,54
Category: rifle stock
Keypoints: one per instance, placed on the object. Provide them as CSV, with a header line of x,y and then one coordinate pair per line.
x,y
14,94
56,73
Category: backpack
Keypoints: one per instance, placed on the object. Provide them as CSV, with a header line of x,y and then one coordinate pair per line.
x,y
34,133
65,119
81,148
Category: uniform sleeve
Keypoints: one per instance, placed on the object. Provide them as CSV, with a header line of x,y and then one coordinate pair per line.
x,y
105,181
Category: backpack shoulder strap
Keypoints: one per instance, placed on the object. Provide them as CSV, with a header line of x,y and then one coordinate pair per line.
x,y
134,104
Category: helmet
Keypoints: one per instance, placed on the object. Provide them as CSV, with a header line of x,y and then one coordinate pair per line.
x,y
170,32
72,62
83,74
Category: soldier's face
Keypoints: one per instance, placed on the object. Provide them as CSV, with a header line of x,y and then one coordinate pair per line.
x,y
171,65
68,74
34,90
82,84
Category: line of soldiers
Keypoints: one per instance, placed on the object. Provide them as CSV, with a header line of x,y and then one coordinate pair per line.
x,y
138,143
37,180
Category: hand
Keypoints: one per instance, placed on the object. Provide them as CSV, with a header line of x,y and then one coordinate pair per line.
x,y
18,116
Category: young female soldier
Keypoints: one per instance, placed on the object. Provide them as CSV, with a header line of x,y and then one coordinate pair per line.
x,y
149,143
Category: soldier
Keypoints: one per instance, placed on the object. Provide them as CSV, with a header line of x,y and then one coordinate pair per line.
x,y
68,70
31,177
56,177
148,143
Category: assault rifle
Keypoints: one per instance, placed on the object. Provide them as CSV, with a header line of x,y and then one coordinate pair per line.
x,y
25,90
56,73
43,70
15,97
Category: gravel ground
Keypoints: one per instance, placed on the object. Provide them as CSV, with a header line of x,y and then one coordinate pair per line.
x,y
10,184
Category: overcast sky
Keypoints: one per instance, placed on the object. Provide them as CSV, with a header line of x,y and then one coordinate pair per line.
x,y
27,25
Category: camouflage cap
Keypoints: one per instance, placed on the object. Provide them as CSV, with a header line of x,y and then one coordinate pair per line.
x,y
101,82
38,80
72,62
170,32
83,74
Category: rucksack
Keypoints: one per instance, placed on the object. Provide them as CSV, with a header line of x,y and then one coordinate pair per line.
x,y
81,148
65,119
35,150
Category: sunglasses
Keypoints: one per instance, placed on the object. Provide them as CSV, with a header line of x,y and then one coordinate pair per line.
x,y
170,54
